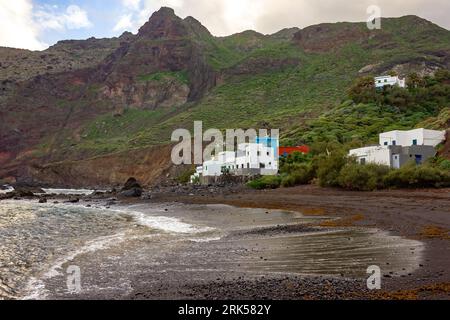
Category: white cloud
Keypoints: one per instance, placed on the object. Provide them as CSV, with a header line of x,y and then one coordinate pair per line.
x,y
224,17
124,24
49,17
76,18
131,4
17,28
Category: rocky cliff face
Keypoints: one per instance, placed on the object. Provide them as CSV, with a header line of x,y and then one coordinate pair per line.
x,y
161,67
166,44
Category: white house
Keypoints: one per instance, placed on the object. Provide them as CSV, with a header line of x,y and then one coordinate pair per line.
x,y
383,81
250,159
417,137
257,156
216,166
400,147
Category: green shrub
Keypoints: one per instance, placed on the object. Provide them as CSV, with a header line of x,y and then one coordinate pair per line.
x,y
296,157
185,177
266,182
297,174
413,176
363,177
329,168
445,165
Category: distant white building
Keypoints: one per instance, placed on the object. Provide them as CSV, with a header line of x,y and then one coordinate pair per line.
x,y
417,137
384,81
250,159
400,147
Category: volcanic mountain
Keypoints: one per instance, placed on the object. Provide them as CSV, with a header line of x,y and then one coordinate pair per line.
x,y
97,111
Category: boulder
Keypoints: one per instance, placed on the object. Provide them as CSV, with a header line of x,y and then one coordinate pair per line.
x,y
23,192
132,193
73,200
131,184
131,189
7,196
27,188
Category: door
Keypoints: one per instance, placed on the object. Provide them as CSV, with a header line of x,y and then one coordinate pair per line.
x,y
396,161
418,159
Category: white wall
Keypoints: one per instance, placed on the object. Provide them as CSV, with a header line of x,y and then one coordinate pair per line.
x,y
379,155
433,137
212,168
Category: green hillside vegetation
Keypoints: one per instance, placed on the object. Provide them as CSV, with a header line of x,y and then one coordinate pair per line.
x,y
308,100
180,76
368,112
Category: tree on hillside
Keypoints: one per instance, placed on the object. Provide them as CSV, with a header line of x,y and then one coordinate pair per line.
x,y
393,73
363,90
442,76
414,80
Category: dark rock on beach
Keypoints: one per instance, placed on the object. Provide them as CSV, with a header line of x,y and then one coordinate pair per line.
x,y
131,189
25,188
73,200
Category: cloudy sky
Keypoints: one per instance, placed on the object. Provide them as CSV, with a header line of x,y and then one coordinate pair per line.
x,y
36,24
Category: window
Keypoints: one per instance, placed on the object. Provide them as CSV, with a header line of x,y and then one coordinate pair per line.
x,y
386,143
394,143
259,153
268,153
363,161
415,142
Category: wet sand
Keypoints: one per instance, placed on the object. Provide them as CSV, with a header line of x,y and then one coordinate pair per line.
x,y
422,215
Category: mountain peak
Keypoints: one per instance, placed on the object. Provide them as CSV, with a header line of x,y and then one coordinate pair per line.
x,y
165,11
163,23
